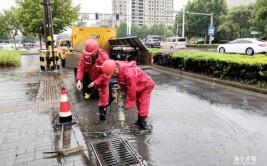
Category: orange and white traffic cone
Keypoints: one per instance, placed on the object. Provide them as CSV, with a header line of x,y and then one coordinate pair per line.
x,y
65,116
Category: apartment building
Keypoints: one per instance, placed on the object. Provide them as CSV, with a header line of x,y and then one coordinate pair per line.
x,y
145,11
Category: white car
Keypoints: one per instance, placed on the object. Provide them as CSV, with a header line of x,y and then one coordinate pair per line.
x,y
7,46
10,46
247,46
174,43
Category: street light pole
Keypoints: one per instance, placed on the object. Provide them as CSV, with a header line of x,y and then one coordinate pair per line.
x,y
201,14
183,21
129,18
177,29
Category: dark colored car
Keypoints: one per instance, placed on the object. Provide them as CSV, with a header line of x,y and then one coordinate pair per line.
x,y
152,43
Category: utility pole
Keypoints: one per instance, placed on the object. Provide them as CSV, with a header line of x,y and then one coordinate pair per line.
x,y
48,29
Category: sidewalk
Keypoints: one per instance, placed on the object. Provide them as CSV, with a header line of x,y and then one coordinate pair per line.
x,y
29,105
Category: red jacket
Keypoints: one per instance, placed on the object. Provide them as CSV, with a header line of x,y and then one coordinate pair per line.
x,y
95,73
133,80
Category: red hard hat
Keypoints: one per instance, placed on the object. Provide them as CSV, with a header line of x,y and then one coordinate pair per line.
x,y
90,47
108,67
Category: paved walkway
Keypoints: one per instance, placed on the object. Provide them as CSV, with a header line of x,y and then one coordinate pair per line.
x,y
29,105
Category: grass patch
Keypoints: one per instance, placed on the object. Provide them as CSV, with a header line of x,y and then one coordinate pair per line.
x,y
9,58
154,50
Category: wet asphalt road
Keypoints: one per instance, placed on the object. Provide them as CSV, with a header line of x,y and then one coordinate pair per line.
x,y
192,123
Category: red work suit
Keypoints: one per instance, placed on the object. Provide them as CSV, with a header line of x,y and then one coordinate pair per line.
x,y
93,67
137,84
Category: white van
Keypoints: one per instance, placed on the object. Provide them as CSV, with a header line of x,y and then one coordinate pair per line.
x,y
174,43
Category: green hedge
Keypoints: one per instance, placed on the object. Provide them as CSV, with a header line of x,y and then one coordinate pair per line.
x,y
202,45
250,69
9,58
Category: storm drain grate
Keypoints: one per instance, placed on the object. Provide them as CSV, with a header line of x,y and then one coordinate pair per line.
x,y
115,152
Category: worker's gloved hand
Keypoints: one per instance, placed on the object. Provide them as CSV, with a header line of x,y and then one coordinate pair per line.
x,y
92,84
79,85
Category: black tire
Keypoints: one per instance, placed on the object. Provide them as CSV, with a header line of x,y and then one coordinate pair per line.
x,y
249,51
222,50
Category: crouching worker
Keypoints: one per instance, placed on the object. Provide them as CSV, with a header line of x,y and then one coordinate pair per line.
x,y
91,61
137,85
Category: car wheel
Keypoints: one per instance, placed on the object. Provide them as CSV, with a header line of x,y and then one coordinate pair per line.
x,y
249,51
222,50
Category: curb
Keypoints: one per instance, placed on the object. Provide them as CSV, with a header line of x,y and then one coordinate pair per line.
x,y
206,78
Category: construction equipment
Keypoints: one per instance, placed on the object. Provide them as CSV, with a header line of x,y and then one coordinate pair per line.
x,y
63,46
81,34
118,48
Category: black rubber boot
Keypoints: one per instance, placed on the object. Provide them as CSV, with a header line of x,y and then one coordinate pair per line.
x,y
138,121
142,128
102,114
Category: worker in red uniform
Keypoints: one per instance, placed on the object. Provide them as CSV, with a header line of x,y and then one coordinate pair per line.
x,y
137,85
91,61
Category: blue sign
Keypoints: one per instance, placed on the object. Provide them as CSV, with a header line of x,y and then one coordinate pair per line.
x,y
211,31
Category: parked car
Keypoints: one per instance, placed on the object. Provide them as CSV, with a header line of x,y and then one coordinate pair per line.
x,y
247,46
152,43
29,45
174,43
153,37
7,46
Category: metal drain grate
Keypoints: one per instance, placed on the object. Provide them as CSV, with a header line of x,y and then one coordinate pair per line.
x,y
115,153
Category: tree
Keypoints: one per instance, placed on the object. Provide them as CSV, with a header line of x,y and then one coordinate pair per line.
x,y
4,32
236,23
30,16
143,31
260,17
122,30
197,25
12,23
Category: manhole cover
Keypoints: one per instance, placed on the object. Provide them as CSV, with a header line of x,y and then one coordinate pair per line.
x,y
115,152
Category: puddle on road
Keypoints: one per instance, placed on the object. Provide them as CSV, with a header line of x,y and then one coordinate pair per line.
x,y
193,123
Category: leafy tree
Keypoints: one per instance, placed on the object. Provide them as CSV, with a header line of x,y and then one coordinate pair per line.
x,y
4,32
143,31
12,23
122,30
197,25
30,16
135,30
260,17
236,23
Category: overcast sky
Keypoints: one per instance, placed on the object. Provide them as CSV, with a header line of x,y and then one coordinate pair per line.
x,y
91,6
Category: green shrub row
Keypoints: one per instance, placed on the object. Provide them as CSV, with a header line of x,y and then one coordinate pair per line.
x,y
249,69
9,58
202,45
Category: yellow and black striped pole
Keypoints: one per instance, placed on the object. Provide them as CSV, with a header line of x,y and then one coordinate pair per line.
x,y
56,53
42,60
50,53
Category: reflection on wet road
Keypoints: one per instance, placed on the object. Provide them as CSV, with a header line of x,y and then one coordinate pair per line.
x,y
191,122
